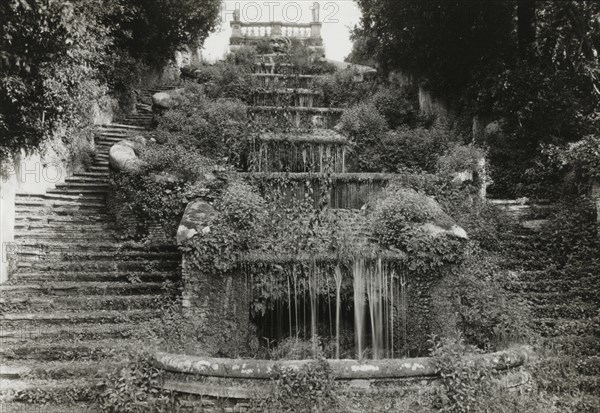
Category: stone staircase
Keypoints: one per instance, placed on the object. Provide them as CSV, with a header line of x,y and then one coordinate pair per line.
x,y
79,298
566,315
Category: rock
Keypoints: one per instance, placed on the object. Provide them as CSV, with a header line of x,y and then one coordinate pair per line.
x,y
164,178
495,128
123,155
196,219
436,230
144,108
162,100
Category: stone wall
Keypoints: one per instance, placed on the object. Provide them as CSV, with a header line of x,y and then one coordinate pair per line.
x,y
28,174
8,187
219,305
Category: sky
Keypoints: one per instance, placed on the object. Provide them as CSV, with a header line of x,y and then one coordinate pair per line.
x,y
338,17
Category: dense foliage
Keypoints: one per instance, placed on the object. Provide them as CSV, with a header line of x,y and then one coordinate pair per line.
x,y
216,128
532,64
59,59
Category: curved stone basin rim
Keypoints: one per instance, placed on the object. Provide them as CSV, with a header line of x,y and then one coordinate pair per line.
x,y
341,369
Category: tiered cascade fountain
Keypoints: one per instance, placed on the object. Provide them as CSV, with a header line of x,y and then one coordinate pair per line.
x,y
364,308
371,296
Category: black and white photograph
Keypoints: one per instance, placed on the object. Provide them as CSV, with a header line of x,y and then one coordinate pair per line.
x,y
299,206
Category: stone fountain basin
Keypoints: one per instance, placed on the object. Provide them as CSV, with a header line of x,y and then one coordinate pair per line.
x,y
422,367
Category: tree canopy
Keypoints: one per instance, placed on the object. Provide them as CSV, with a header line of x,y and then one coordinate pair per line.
x,y
533,64
58,57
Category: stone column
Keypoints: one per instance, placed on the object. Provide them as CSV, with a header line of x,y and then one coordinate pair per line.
x,y
315,30
236,29
595,193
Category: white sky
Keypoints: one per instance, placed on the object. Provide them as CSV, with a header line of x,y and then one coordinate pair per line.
x,y
337,16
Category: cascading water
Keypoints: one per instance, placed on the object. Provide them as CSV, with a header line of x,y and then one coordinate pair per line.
x,y
378,318
358,284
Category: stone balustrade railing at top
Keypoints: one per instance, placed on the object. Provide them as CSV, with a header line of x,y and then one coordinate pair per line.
x,y
298,30
309,33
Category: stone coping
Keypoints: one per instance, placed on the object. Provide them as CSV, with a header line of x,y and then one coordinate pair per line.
x,y
341,369
294,109
336,176
319,136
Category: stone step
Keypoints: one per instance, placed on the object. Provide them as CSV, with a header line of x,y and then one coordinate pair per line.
x,y
559,297
88,179
45,235
554,327
61,288
71,245
60,197
61,220
100,163
49,254
10,321
92,174
138,116
17,407
107,276
577,345
150,299
112,137
98,265
78,203
110,253
57,370
120,126
83,191
566,310
92,184
43,331
48,396
552,285
47,210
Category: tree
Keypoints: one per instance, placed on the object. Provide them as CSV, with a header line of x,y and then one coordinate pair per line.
x,y
532,63
57,57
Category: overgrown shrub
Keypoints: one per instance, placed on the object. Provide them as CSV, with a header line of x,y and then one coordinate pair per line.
x,y
295,348
167,179
474,300
230,78
415,149
395,105
215,128
570,237
461,158
134,389
584,157
365,127
341,90
242,207
398,220
309,389
464,380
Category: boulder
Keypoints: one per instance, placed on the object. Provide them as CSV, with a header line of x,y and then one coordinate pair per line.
x,y
162,100
123,155
436,230
196,220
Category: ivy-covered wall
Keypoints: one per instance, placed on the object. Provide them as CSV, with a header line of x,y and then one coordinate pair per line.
x,y
219,304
